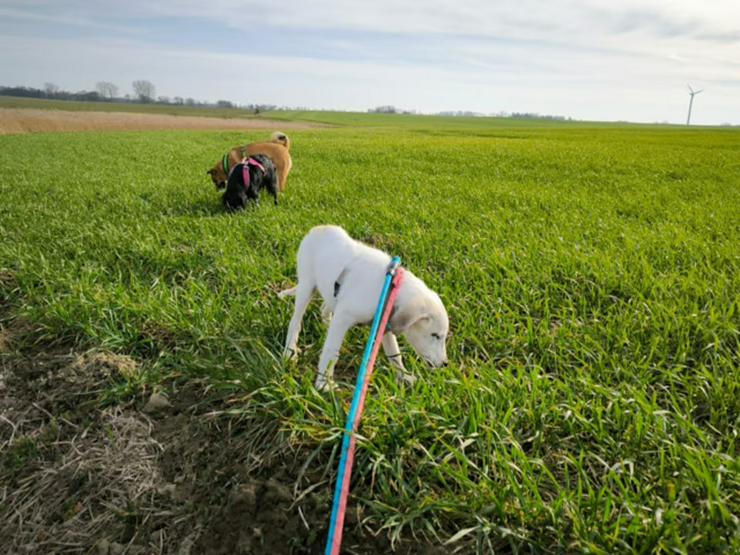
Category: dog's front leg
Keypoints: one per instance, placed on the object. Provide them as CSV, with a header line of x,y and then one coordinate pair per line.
x,y
326,312
393,352
330,353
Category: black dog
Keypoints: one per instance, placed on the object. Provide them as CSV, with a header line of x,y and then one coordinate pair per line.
x,y
247,179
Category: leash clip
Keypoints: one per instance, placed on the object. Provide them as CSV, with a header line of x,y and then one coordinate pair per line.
x,y
393,266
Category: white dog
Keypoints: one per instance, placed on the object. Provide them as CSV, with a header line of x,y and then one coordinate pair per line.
x,y
349,276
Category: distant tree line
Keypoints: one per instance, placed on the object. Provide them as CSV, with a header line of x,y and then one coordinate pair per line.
x,y
512,115
534,115
460,113
144,93
388,109
49,91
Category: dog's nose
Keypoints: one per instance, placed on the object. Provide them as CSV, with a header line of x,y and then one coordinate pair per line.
x,y
445,362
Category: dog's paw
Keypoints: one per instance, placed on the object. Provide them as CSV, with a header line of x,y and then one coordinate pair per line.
x,y
290,353
326,313
403,378
325,385
397,363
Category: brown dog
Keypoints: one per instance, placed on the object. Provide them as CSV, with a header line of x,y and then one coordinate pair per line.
x,y
277,150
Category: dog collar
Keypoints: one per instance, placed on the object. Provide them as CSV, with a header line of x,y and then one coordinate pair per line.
x,y
226,163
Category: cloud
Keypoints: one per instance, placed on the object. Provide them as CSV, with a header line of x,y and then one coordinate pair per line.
x,y
590,59
541,19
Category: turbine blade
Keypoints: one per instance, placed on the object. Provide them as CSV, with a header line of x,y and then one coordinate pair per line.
x,y
697,92
689,86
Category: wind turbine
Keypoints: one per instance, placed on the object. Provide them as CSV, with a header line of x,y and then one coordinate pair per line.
x,y
692,92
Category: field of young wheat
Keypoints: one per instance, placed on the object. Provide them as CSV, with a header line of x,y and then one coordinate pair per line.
x,y
591,274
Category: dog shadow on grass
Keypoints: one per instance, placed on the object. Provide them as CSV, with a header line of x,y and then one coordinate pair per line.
x,y
205,207
210,207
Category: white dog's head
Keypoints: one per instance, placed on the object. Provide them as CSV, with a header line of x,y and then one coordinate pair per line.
x,y
422,318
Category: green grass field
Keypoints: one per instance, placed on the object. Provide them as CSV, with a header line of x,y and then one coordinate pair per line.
x,y
591,274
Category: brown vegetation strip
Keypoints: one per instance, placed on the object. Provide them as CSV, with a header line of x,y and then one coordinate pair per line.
x,y
18,121
189,475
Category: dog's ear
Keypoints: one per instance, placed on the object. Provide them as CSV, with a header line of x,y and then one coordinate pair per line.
x,y
411,312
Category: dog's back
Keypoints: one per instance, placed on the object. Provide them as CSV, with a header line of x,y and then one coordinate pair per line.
x,y
327,254
323,253
267,179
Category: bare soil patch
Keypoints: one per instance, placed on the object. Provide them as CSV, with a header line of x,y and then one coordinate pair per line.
x,y
184,476
19,121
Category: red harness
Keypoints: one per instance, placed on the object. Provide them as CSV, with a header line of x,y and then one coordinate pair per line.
x,y
245,169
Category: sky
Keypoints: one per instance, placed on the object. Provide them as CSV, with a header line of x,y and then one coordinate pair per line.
x,y
602,60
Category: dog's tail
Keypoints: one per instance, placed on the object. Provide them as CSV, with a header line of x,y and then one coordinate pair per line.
x,y
288,292
281,138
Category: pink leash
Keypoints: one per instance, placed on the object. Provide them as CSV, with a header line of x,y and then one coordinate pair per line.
x,y
344,474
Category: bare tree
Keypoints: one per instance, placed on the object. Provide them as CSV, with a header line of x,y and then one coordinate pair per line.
x,y
106,89
51,89
144,90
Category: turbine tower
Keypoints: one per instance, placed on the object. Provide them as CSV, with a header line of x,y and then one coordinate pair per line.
x,y
692,92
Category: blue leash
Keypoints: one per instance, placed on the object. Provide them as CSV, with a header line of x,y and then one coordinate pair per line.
x,y
332,546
